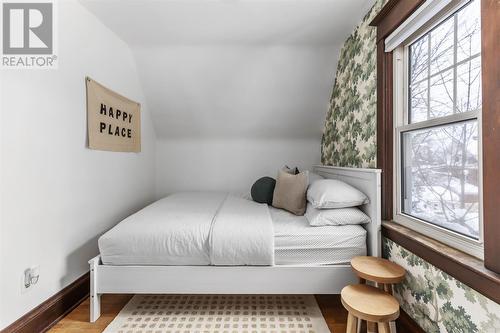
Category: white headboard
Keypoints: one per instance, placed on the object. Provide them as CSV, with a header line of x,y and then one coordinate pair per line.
x,y
368,182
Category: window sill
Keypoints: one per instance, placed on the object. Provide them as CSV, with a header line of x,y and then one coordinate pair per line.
x,y
460,265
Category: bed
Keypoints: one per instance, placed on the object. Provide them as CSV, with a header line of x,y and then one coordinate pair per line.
x,y
278,253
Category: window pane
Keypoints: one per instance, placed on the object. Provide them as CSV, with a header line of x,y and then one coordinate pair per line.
x,y
440,176
418,101
469,31
419,59
446,62
442,40
441,94
469,85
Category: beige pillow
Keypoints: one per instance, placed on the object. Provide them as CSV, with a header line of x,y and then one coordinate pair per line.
x,y
290,192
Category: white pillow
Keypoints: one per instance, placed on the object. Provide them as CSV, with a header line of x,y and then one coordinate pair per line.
x,y
333,193
337,216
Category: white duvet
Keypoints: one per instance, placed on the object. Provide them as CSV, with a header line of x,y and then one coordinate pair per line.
x,y
193,228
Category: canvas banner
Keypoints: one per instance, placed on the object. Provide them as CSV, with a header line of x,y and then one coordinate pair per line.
x,y
113,121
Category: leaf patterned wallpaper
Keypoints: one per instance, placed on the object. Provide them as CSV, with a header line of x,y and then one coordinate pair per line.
x,y
439,302
349,136
434,299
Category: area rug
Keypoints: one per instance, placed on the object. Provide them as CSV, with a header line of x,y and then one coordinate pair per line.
x,y
220,314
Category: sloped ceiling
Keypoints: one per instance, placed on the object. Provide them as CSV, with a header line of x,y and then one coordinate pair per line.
x,y
234,68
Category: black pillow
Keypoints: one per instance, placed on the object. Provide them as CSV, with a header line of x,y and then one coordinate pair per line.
x,y
263,189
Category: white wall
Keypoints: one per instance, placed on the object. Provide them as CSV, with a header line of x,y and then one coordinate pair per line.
x,y
226,115
57,195
230,165
232,91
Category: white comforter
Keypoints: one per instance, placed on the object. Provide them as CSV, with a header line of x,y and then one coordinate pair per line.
x,y
193,228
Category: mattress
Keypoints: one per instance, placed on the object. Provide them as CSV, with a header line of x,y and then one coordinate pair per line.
x,y
146,238
297,243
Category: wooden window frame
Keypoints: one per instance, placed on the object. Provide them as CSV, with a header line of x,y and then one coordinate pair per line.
x,y
485,279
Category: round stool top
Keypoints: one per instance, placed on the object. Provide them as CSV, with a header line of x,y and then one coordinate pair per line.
x,y
369,303
377,269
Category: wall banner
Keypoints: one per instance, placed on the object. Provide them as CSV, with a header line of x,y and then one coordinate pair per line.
x,y
113,121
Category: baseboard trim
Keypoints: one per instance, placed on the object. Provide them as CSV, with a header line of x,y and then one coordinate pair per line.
x,y
47,314
405,323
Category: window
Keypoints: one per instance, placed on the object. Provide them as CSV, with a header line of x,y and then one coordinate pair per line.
x,y
438,107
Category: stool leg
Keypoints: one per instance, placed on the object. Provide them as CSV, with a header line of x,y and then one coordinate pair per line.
x,y
352,323
383,328
392,326
361,281
388,287
371,327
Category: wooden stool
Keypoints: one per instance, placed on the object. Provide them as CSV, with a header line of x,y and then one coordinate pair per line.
x,y
382,271
371,304
379,270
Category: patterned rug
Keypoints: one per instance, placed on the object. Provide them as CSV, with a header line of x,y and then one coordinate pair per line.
x,y
220,314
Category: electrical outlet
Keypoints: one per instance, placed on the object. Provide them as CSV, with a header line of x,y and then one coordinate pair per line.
x,y
30,278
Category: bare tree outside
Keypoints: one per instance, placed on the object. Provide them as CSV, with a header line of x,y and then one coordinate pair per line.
x,y
440,164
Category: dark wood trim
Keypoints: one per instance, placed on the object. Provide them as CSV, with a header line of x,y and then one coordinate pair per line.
x,y
47,314
406,324
490,53
460,265
385,126
382,14
392,15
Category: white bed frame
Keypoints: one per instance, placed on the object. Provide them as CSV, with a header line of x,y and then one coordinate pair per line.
x,y
107,279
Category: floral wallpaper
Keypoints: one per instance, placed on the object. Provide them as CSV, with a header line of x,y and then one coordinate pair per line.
x,y
437,301
349,136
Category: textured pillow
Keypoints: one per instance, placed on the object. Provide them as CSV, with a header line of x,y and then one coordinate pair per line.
x,y
337,216
263,189
290,192
333,193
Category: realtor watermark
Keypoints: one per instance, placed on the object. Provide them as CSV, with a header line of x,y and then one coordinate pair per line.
x,y
29,34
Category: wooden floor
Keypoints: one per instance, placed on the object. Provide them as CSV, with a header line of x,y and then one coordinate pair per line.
x,y
78,320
